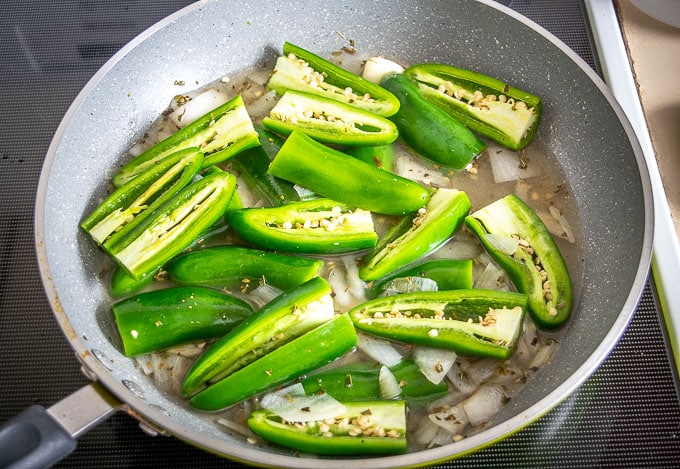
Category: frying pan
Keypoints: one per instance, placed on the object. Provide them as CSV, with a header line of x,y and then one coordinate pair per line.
x,y
582,126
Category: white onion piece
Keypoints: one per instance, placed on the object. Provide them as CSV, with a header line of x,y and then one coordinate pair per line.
x,y
426,432
491,278
260,107
379,350
292,404
338,282
460,380
483,404
188,350
408,285
544,354
458,249
409,167
357,287
567,232
453,420
389,386
200,105
377,67
481,370
505,244
506,166
264,293
433,362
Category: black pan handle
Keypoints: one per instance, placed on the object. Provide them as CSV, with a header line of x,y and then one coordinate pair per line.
x,y
39,437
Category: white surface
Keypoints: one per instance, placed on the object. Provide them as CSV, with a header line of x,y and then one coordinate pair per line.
x,y
618,75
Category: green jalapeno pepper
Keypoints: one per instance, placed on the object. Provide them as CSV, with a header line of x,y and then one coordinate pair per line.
x,y
301,70
535,265
130,204
449,274
252,166
340,177
430,131
238,266
329,121
286,317
380,156
220,134
282,364
170,228
370,428
418,235
319,226
360,382
160,319
486,105
123,284
473,322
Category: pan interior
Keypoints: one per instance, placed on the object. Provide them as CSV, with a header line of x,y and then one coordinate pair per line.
x,y
580,127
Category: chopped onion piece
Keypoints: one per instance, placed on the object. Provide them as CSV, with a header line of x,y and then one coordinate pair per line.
x,y
379,350
389,386
507,165
409,167
484,403
458,249
544,354
199,106
260,107
491,278
264,293
408,285
505,244
460,380
433,362
377,67
338,282
357,287
480,370
292,404
453,419
567,232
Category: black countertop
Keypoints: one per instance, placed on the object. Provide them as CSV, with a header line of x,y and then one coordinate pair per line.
x,y
626,415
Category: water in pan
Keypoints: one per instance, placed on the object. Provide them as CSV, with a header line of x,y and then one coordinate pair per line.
x,y
541,184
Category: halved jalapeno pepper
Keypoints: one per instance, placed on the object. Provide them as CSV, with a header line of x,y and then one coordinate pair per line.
x,y
340,177
234,266
220,134
172,226
319,226
473,322
430,131
534,264
329,121
370,428
486,105
282,364
159,319
281,320
418,235
301,70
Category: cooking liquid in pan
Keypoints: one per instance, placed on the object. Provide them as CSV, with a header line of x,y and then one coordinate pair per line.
x,y
495,380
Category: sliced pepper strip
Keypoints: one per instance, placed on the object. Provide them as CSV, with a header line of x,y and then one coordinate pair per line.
x,y
281,320
220,134
314,349
130,204
418,235
301,70
536,267
319,226
370,428
340,177
430,131
473,322
160,319
234,266
172,226
486,105
329,121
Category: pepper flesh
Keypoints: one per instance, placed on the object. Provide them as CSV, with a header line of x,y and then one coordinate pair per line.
x,y
430,131
173,226
234,266
314,349
370,428
301,70
319,226
220,134
417,236
281,320
536,267
341,177
131,203
486,105
329,121
160,319
473,322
